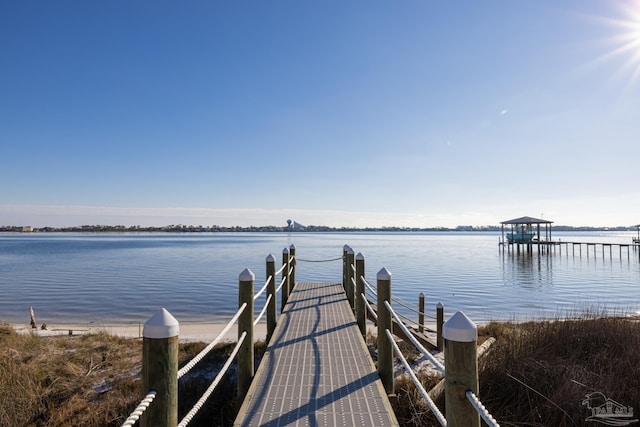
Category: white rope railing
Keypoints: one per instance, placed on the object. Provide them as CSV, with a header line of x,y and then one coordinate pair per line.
x,y
264,310
369,308
414,379
142,406
264,288
192,413
415,342
186,368
479,407
281,269
284,279
368,285
320,260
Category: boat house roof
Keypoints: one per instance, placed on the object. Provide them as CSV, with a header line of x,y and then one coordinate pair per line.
x,y
527,220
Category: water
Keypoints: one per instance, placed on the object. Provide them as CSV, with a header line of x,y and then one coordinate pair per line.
x,y
124,278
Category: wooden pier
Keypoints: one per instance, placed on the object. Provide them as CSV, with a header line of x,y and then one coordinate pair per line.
x,y
557,246
317,370
313,372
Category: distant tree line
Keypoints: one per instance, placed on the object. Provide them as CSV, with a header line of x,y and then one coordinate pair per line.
x,y
180,228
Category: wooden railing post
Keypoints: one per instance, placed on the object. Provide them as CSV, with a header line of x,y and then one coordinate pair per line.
x,y
345,248
350,277
160,369
421,312
361,310
292,255
284,296
245,324
385,348
461,367
271,290
439,324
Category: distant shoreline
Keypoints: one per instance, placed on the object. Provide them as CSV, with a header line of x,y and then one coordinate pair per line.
x,y
278,229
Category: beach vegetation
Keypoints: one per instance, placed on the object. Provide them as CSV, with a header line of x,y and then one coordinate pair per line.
x,y
536,374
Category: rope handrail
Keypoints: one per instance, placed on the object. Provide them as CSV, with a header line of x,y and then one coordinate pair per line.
x,y
185,421
368,285
408,321
415,342
264,310
369,308
186,368
284,279
353,267
398,301
142,406
353,283
264,288
320,260
281,268
414,379
479,407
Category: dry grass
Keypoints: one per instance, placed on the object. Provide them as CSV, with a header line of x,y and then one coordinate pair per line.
x,y
86,380
536,374
94,380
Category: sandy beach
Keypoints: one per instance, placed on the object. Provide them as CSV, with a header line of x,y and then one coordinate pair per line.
x,y
189,332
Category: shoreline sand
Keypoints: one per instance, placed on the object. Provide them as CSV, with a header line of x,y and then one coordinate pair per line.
x,y
189,332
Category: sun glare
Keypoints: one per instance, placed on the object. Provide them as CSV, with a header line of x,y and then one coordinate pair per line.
x,y
625,43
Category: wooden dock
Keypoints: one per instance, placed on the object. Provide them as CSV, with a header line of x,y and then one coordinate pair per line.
x,y
551,246
317,370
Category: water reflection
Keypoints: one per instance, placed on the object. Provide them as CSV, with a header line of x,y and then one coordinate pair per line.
x,y
527,270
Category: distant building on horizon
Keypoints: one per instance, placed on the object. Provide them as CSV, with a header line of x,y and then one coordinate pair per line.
x,y
294,226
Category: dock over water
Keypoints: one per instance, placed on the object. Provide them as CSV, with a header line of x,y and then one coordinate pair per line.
x,y
317,370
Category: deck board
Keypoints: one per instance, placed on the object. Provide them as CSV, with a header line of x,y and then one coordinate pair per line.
x,y
317,370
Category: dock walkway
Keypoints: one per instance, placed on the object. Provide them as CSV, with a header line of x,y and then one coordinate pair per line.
x,y
317,370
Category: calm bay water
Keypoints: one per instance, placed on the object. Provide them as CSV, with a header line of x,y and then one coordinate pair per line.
x,y
124,278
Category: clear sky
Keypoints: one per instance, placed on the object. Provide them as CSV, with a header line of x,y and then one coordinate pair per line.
x,y
338,113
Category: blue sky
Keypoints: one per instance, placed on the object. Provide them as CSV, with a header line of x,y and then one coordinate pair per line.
x,y
412,113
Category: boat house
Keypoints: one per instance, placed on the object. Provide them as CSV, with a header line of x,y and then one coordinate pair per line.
x,y
526,230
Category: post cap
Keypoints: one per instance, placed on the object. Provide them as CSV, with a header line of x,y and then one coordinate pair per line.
x,y
292,247
161,325
421,295
384,274
360,257
460,328
350,251
270,258
345,248
439,305
285,251
247,275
